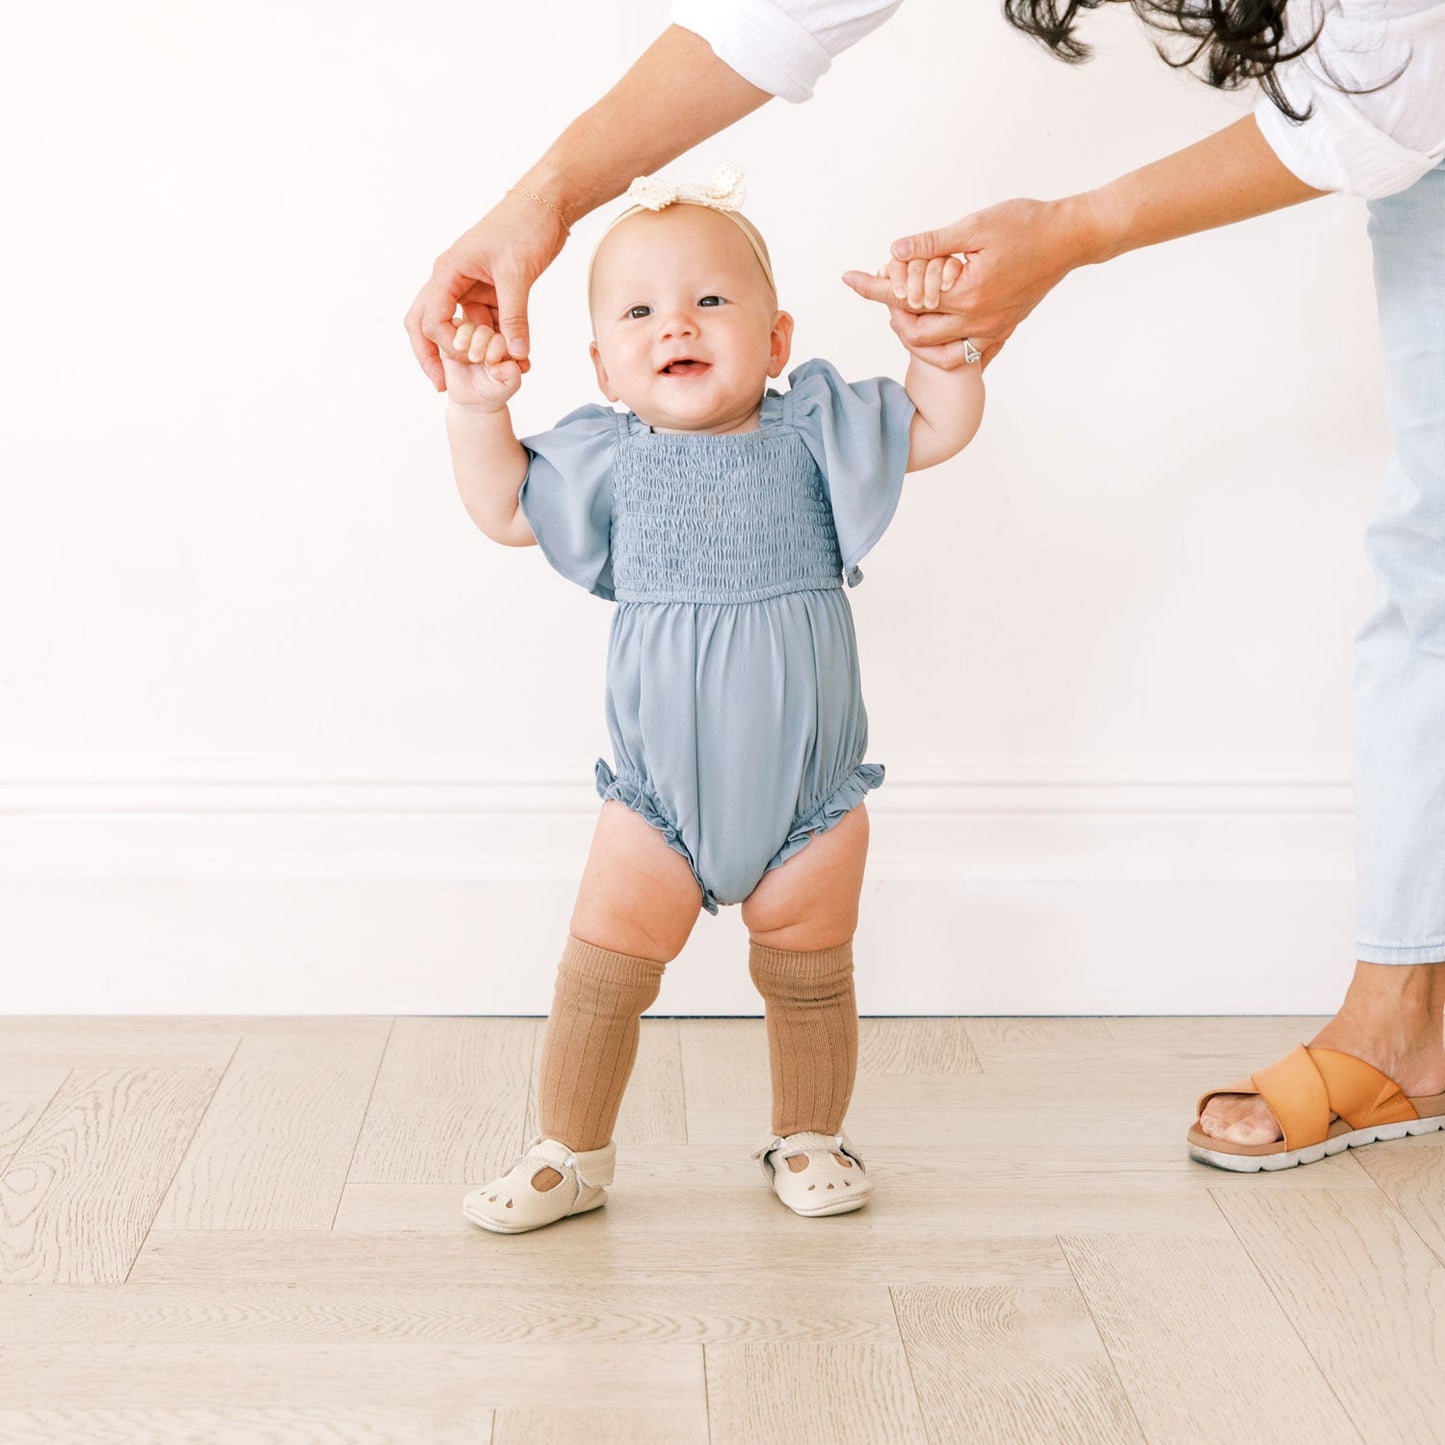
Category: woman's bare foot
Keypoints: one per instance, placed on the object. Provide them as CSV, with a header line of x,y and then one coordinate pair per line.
x,y
1391,1018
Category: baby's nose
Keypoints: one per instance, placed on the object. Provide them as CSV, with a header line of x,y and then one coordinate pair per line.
x,y
679,324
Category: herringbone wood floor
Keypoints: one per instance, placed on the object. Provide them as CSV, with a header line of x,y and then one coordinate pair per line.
x,y
248,1229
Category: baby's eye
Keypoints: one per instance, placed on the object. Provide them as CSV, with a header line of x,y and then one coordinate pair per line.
x,y
636,313
711,301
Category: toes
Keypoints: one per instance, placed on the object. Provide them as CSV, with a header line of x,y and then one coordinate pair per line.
x,y
1240,1119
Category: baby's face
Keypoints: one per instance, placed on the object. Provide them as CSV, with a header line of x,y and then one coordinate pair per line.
x,y
687,328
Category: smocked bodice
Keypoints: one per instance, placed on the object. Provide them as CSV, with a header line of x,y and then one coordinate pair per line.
x,y
735,518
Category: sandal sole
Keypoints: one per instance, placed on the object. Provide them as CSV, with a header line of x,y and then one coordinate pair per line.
x,y
1313,1153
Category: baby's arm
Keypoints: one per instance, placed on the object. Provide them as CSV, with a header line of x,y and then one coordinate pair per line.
x,y
948,404
489,462
949,407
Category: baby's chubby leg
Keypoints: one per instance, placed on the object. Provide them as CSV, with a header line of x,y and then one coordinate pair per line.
x,y
637,895
635,908
801,918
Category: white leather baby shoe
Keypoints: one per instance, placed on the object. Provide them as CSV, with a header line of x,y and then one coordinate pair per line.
x,y
825,1186
512,1205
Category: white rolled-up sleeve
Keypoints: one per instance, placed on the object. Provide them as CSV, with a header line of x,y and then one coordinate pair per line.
x,y
781,46
1374,84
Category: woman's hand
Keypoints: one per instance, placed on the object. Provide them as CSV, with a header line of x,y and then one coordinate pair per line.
x,y
488,271
1016,253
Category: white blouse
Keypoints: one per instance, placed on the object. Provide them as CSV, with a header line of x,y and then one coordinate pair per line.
x,y
1369,144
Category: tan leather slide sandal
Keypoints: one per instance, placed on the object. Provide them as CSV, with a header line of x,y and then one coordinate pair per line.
x,y
1325,1102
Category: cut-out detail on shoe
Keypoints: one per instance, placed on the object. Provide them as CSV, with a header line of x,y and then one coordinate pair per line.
x,y
527,1207
820,1153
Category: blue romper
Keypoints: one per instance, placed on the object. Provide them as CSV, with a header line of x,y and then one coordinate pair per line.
x,y
733,694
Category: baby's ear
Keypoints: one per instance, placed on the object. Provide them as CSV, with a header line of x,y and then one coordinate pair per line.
x,y
601,370
780,343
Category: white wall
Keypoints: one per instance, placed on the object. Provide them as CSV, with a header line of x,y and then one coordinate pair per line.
x,y
279,730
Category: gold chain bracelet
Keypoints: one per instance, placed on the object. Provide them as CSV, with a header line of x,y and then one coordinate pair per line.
x,y
522,191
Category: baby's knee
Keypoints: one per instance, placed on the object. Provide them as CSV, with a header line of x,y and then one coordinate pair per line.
x,y
778,915
624,928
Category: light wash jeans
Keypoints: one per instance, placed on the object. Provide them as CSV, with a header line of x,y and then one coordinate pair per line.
x,y
1399,690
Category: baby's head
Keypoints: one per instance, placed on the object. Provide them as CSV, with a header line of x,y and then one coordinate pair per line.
x,y
684,285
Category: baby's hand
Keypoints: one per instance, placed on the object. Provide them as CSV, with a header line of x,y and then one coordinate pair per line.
x,y
917,284
478,370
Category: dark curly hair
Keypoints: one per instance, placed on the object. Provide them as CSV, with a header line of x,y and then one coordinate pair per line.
x,y
1237,41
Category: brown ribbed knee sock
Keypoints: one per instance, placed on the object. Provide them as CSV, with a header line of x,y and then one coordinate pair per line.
x,y
591,1044
812,1018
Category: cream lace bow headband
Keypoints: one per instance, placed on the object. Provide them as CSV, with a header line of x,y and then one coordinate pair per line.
x,y
724,194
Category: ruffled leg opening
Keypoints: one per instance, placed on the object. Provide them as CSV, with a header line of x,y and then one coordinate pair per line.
x,y
635,794
835,806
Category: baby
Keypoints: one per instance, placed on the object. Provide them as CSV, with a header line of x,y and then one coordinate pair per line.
x,y
722,518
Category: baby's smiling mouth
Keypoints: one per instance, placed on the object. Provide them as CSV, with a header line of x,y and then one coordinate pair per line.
x,y
685,366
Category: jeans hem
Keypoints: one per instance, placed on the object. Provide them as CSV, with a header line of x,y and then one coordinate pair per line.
x,y
1398,953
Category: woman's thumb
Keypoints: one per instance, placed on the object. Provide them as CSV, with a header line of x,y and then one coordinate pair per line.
x,y
946,241
512,312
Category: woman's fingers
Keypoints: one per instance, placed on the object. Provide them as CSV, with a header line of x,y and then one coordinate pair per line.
x,y
425,333
924,329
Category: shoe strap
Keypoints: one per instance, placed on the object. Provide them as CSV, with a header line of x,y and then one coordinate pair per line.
x,y
807,1142
556,1154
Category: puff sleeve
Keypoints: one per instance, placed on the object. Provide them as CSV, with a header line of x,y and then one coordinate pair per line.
x,y
566,495
858,435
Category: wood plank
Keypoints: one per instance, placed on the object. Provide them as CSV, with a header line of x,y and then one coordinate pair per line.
x,y
1261,1032
449,1378
1411,1172
997,1117
678,1310
450,1097
560,1425
725,1064
1006,1364
121,1041
79,1194
995,1040
946,1199
1199,1052
274,1148
25,1089
1202,1349
1365,1294
926,1048
725,1061
282,1426
647,1247
759,1394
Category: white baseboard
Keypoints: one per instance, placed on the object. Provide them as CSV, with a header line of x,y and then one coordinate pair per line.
x,y
444,886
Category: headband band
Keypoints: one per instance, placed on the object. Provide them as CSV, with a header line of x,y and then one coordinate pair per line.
x,y
723,194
